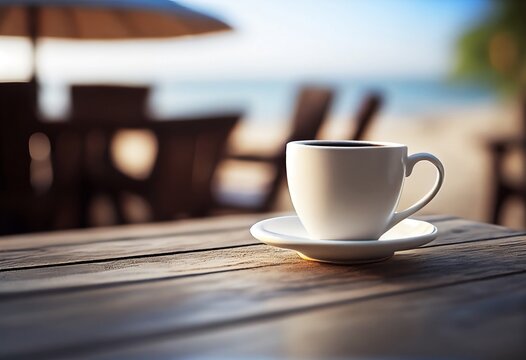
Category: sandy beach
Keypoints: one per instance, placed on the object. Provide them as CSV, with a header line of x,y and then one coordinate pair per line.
x,y
457,137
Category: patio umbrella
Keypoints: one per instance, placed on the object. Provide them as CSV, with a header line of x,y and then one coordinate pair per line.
x,y
103,19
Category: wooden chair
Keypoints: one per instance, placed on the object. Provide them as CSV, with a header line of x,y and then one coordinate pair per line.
x,y
367,111
311,109
118,104
312,106
22,207
505,187
187,155
18,200
179,184
100,111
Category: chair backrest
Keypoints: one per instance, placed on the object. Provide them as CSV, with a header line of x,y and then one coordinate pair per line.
x,y
188,149
108,103
18,103
311,110
17,115
367,111
179,184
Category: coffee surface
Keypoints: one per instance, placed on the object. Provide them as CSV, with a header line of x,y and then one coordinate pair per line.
x,y
343,144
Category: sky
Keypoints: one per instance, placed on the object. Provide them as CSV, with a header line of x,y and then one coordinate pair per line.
x,y
272,39
393,37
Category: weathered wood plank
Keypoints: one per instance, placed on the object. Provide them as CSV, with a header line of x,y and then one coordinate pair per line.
x,y
451,230
478,320
83,320
97,235
124,249
166,265
128,232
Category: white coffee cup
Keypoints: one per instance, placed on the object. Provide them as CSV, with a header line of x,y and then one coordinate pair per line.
x,y
349,190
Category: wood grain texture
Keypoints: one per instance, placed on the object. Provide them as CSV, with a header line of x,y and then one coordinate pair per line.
x,y
124,249
214,235
160,258
484,319
128,232
77,322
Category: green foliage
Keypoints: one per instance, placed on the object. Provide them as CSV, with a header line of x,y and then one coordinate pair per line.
x,y
493,52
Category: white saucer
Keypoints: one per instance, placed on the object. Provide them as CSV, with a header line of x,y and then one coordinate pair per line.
x,y
287,232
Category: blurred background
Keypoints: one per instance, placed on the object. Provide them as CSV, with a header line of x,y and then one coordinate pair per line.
x,y
442,76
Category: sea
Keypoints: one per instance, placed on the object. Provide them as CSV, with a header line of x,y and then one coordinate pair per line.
x,y
267,101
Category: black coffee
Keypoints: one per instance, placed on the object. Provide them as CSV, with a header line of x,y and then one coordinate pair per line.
x,y
343,144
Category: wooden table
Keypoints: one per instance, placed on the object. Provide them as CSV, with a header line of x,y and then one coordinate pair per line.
x,y
207,289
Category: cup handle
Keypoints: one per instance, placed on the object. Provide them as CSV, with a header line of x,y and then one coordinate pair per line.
x,y
410,164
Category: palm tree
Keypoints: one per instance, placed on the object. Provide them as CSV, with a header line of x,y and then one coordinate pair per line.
x,y
493,51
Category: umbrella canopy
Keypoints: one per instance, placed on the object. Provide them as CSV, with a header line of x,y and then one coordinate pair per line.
x,y
103,19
